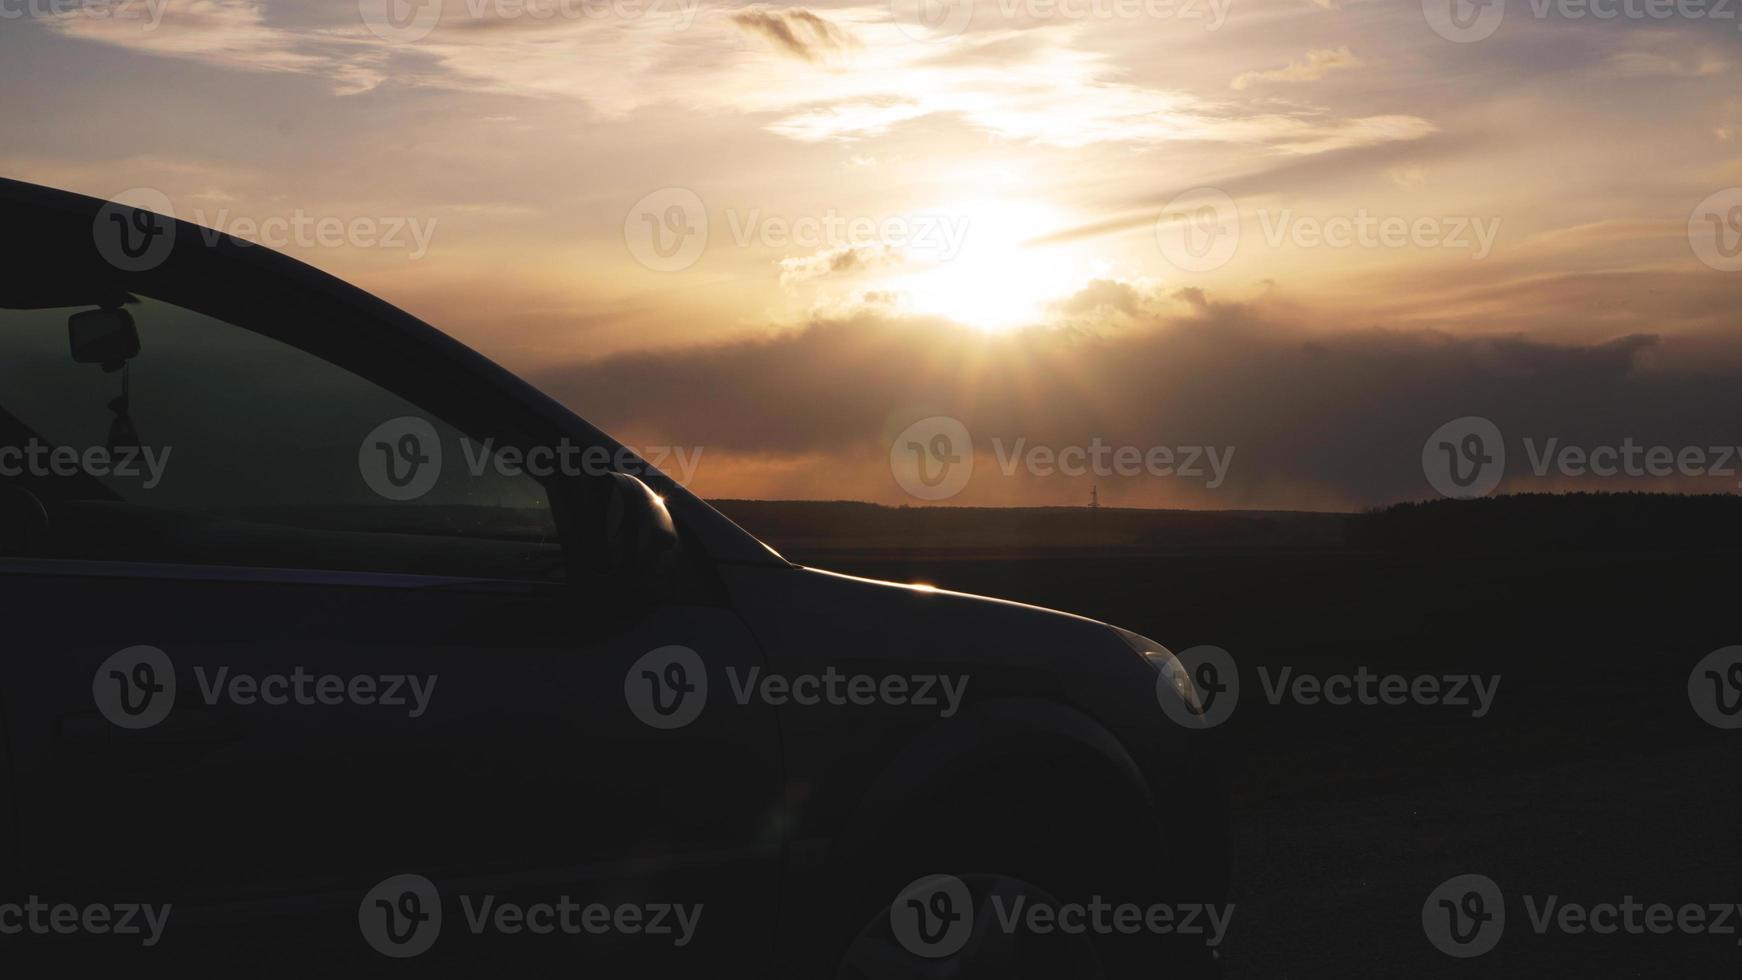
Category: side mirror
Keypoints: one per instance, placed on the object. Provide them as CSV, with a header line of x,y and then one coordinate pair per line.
x,y
106,337
642,546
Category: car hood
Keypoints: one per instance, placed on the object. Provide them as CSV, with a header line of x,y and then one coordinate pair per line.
x,y
806,614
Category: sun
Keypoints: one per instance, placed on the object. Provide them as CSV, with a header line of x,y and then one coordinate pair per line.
x,y
984,275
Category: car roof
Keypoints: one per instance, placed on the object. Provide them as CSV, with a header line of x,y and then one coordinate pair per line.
x,y
49,228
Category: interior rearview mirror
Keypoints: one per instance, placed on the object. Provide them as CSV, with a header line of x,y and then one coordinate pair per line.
x,y
106,337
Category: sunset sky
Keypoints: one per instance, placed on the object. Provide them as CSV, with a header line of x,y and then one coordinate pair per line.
x,y
784,234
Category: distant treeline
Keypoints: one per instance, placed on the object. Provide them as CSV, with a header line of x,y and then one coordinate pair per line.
x,y
1521,522
801,526
1555,522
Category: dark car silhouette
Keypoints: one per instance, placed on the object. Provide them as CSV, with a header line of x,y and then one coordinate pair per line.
x,y
335,647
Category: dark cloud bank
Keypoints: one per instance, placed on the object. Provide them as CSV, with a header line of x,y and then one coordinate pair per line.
x,y
1319,419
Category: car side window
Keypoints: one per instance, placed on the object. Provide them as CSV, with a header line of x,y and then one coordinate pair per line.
x,y
218,445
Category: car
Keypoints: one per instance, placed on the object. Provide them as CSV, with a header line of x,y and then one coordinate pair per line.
x,y
333,644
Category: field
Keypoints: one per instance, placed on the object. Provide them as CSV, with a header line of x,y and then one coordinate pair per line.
x,y
1590,779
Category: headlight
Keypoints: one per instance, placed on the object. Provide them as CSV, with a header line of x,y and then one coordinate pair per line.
x,y
1172,673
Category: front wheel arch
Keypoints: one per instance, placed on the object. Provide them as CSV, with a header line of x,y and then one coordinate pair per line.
x,y
1015,780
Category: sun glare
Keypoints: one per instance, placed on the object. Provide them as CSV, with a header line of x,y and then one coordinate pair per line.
x,y
986,277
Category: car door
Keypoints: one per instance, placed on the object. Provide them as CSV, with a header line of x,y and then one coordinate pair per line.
x,y
330,681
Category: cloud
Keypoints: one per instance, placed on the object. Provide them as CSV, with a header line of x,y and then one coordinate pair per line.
x,y
1318,417
1102,296
1313,68
233,34
1036,86
1294,175
1408,178
798,32
844,260
1671,55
